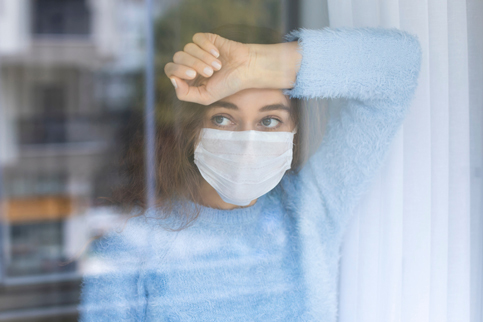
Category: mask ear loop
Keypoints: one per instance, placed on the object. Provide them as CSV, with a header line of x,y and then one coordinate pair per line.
x,y
295,130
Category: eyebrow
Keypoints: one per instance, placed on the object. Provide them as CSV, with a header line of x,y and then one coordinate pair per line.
x,y
271,107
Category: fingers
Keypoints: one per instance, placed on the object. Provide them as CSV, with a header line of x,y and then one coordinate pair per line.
x,y
184,92
183,58
181,71
192,61
197,58
207,41
195,51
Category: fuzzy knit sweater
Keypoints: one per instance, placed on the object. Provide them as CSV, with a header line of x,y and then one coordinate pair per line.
x,y
278,259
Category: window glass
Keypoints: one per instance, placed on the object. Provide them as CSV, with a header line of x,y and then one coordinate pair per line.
x,y
124,196
73,104
61,17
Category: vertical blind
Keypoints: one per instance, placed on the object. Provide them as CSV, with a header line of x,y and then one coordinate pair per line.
x,y
414,251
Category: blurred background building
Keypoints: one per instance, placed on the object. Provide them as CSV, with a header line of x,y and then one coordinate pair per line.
x,y
71,95
64,92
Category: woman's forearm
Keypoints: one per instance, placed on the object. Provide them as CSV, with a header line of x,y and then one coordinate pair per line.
x,y
274,66
366,64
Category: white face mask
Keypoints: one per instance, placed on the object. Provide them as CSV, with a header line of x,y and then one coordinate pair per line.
x,y
243,165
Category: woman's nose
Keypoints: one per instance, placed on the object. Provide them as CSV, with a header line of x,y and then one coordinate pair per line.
x,y
247,126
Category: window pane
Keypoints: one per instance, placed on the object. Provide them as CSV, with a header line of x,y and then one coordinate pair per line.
x,y
73,138
68,108
61,17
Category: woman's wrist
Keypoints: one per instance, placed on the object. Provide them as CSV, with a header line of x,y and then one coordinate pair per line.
x,y
274,66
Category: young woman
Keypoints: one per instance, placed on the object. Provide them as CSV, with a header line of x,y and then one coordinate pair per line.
x,y
259,242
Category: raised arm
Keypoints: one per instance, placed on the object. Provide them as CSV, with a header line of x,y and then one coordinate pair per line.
x,y
371,74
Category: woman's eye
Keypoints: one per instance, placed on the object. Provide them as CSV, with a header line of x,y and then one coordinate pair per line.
x,y
270,122
221,120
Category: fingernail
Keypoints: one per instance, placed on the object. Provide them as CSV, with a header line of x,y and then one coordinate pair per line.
x,y
216,65
208,71
173,81
214,53
190,73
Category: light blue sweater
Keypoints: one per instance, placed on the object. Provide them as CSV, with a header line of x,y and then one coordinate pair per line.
x,y
277,260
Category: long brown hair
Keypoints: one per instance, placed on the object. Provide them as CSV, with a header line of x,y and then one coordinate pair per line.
x,y
178,177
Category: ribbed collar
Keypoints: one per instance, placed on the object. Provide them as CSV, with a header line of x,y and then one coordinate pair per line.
x,y
228,217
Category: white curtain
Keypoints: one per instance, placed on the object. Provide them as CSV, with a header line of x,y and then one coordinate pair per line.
x,y
414,250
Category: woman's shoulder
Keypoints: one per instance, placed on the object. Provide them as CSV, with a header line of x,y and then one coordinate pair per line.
x,y
136,238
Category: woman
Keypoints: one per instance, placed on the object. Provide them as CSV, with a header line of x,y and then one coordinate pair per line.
x,y
264,245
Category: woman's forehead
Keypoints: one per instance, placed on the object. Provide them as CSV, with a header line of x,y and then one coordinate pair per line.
x,y
255,98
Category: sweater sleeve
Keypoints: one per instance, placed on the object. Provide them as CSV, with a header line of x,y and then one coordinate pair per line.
x,y
370,76
111,288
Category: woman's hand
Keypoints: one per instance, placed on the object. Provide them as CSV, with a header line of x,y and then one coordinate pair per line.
x,y
213,67
209,69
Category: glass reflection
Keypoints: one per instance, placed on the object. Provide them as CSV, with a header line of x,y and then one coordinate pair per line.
x,y
71,106
70,81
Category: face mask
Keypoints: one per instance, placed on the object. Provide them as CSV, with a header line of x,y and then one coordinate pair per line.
x,y
243,165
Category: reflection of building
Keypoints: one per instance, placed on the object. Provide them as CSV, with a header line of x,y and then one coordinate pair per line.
x,y
57,132
65,85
